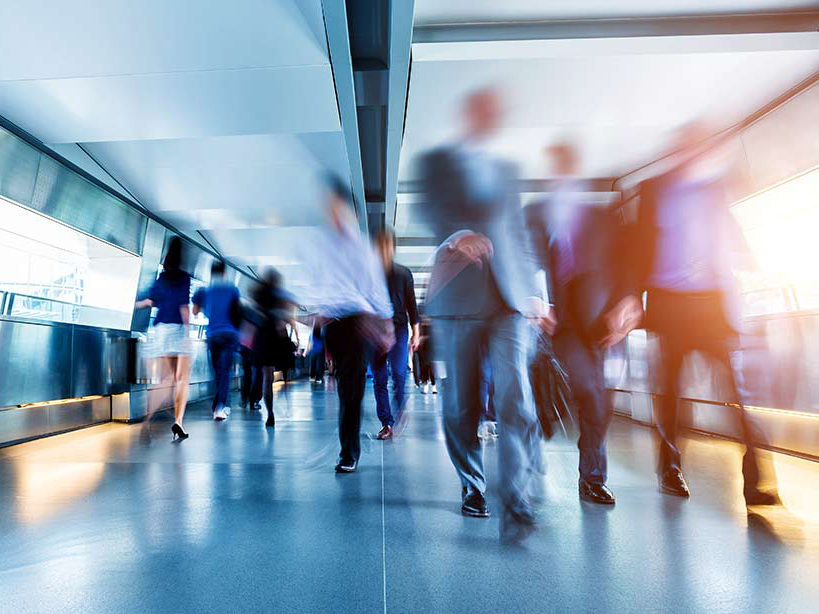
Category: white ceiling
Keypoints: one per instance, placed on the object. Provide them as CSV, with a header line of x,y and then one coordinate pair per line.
x,y
466,11
218,116
618,99
620,108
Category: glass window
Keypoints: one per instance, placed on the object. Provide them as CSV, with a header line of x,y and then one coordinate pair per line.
x,y
780,226
51,271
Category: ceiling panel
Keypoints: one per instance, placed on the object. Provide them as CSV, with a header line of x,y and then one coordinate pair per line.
x,y
167,106
50,39
620,109
470,11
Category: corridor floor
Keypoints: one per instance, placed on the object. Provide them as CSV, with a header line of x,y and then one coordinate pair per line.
x,y
240,518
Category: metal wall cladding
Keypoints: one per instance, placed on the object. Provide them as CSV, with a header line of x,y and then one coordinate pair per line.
x,y
62,194
29,422
33,179
18,168
35,364
49,361
152,253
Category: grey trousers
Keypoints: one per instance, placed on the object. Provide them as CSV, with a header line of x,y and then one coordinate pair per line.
x,y
506,338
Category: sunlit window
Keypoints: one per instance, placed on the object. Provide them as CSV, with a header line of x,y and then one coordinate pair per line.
x,y
780,226
50,271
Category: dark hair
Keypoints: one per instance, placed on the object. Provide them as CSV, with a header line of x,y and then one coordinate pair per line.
x,y
338,188
173,257
217,268
385,235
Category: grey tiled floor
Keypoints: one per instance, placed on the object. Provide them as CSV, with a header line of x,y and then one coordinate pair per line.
x,y
240,518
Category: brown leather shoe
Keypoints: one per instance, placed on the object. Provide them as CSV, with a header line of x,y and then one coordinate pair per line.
x,y
385,432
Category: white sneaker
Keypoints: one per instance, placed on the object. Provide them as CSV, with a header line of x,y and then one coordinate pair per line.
x,y
226,409
426,388
220,414
434,389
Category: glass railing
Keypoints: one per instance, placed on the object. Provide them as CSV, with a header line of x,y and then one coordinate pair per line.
x,y
31,307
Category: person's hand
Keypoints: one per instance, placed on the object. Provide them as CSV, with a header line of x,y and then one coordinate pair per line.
x,y
549,322
415,343
621,320
542,315
474,247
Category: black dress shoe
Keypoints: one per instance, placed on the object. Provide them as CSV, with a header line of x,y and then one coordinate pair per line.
x,y
595,492
672,482
271,420
473,504
346,467
517,524
761,497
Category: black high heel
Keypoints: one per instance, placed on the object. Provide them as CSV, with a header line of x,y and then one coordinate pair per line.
x,y
178,433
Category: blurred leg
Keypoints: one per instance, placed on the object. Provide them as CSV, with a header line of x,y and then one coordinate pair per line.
x,y
518,454
349,356
398,357
382,394
584,366
182,388
673,351
459,347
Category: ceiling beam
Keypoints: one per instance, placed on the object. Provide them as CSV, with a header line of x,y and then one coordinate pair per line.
x,y
338,42
763,23
401,26
596,184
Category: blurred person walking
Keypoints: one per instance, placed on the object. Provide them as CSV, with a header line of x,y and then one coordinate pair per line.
x,y
682,248
222,305
349,292
482,280
272,347
405,313
170,294
578,247
316,353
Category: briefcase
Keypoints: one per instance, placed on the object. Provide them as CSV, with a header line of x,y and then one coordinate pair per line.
x,y
552,395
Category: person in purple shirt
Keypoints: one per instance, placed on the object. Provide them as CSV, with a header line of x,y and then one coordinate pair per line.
x,y
680,255
170,294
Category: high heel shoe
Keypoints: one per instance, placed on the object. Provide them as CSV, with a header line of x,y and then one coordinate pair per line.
x,y
178,433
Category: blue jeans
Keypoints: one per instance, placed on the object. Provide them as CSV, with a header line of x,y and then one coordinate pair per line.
x,y
222,346
505,340
397,358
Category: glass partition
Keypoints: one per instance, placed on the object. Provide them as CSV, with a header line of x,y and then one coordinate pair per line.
x,y
50,271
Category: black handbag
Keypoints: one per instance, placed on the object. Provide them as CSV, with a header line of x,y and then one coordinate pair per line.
x,y
552,395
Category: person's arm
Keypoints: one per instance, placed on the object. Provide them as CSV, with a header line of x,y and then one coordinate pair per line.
x,y
412,311
198,301
184,309
151,299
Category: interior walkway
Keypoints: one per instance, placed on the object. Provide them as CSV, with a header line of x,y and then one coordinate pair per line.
x,y
240,518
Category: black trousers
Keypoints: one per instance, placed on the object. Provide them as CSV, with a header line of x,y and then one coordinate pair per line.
x,y
584,364
349,351
697,322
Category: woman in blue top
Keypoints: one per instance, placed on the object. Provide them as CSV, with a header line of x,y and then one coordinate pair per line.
x,y
170,294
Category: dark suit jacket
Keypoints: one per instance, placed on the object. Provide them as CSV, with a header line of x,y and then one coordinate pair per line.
x,y
451,204
581,302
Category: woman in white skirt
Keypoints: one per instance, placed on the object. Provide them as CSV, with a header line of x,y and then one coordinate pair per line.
x,y
170,294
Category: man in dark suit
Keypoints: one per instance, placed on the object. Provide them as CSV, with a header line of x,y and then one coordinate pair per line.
x,y
477,297
578,249
680,252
